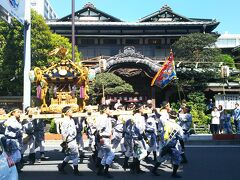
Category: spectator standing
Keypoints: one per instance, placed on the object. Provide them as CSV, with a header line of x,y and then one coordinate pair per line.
x,y
117,104
210,106
222,118
215,121
236,117
227,128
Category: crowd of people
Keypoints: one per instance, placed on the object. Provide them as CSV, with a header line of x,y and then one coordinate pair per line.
x,y
221,120
161,132
23,134
136,135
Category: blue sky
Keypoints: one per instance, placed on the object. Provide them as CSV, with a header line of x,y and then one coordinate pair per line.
x,y
227,12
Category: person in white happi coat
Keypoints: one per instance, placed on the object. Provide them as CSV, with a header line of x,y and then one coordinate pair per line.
x,y
117,137
185,121
69,133
39,134
104,128
169,141
91,129
139,144
14,134
151,137
29,140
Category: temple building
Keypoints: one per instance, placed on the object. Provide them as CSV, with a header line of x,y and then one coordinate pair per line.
x,y
132,50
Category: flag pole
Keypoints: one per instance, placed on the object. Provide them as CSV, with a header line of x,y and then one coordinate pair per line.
x,y
179,94
73,30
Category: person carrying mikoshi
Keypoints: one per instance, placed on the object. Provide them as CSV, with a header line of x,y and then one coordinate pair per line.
x,y
169,142
117,137
69,133
29,140
14,134
105,152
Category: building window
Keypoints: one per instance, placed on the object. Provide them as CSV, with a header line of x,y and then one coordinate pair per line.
x,y
87,41
154,41
46,3
132,41
109,41
172,41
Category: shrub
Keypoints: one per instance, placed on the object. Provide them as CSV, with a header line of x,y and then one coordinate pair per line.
x,y
53,127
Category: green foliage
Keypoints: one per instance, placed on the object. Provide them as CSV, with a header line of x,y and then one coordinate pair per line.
x,y
60,41
46,41
199,47
12,51
11,55
226,59
112,83
195,47
53,127
196,101
237,56
40,38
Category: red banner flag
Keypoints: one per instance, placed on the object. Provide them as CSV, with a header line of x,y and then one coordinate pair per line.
x,y
166,73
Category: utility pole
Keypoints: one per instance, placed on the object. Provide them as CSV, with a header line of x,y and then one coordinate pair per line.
x,y
73,30
27,56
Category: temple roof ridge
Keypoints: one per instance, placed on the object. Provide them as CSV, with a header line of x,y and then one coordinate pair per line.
x,y
165,7
90,13
89,4
166,14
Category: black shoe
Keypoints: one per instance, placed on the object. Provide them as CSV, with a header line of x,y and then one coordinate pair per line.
x,y
125,166
155,173
147,159
82,155
76,172
32,158
100,170
23,161
43,157
61,169
19,167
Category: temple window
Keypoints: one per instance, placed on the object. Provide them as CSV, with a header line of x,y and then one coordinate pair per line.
x,y
132,41
109,41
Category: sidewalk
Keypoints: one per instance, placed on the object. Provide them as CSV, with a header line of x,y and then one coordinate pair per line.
x,y
219,139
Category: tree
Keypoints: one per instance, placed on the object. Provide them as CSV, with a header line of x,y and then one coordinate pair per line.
x,y
11,66
60,41
12,48
112,83
46,41
237,56
196,100
199,47
196,47
226,59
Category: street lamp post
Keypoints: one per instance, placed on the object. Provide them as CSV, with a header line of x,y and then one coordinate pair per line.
x,y
27,56
73,30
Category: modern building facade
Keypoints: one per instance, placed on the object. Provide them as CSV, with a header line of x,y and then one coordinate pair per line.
x,y
228,41
44,8
132,50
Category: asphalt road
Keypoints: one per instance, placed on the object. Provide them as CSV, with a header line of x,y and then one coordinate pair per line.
x,y
209,162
